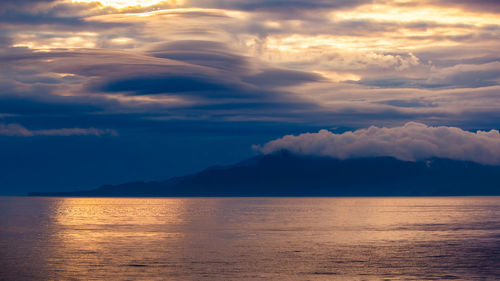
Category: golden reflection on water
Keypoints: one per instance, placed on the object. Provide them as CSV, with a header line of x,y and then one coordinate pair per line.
x,y
265,238
117,211
90,222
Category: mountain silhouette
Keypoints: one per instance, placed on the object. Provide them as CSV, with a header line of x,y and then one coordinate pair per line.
x,y
286,174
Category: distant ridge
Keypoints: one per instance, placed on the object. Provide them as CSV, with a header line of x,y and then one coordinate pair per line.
x,y
286,174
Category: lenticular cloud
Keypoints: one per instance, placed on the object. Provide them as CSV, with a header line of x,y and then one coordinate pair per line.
x,y
411,142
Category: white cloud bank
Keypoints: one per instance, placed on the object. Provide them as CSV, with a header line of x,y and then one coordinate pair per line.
x,y
411,142
16,130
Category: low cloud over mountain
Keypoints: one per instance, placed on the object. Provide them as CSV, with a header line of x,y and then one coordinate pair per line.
x,y
411,142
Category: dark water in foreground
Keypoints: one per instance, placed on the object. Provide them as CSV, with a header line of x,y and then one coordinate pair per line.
x,y
250,238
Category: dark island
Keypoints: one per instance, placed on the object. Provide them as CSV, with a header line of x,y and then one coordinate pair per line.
x,y
286,174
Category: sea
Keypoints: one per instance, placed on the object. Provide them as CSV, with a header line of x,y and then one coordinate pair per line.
x,y
421,238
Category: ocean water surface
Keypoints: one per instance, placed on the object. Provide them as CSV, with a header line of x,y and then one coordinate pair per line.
x,y
250,238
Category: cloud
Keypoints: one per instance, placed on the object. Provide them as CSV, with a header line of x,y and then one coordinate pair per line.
x,y
258,60
166,84
16,130
409,103
280,77
411,142
59,15
281,6
17,4
202,52
457,76
491,6
196,68
467,75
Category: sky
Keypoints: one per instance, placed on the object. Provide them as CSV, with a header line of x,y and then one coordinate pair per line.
x,y
113,91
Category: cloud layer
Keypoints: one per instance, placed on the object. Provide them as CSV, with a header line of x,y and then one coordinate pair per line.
x,y
355,62
16,130
411,142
